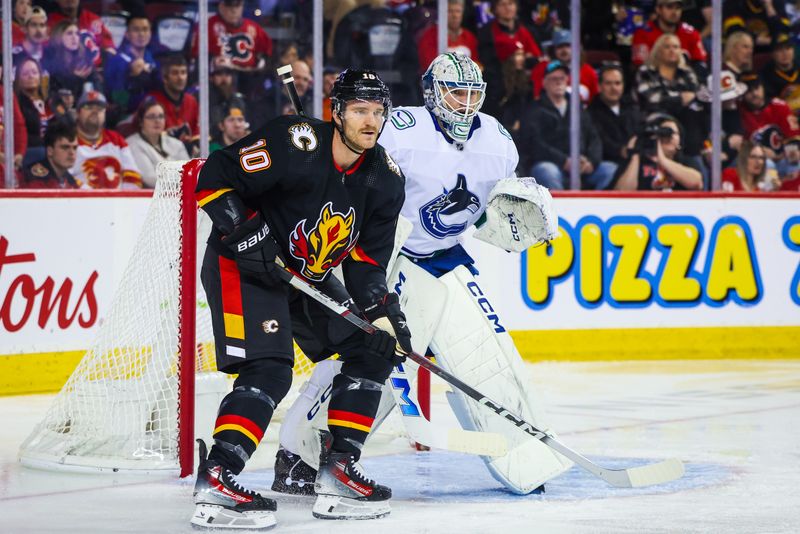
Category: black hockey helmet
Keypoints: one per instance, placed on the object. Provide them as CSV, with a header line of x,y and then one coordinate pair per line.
x,y
359,84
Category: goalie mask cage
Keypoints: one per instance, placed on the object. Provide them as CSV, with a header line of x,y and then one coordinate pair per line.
x,y
129,404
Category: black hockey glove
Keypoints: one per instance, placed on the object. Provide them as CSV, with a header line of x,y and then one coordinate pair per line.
x,y
255,250
393,339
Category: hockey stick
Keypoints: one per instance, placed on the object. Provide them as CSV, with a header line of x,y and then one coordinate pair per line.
x,y
285,74
632,477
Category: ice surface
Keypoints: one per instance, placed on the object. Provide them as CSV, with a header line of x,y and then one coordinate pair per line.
x,y
736,425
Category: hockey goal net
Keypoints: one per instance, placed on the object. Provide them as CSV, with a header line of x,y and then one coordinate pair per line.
x,y
130,403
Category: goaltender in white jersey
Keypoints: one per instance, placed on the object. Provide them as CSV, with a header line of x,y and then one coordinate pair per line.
x,y
459,166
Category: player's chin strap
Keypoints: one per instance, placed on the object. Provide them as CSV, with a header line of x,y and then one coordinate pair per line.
x,y
340,129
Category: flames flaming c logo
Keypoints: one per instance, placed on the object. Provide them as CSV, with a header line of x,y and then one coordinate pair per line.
x,y
326,244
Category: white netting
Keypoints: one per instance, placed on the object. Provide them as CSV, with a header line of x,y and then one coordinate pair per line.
x,y
119,409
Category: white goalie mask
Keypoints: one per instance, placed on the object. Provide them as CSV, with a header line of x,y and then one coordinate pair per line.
x,y
454,90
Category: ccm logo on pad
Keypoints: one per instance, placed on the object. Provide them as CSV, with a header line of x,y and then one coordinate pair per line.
x,y
488,311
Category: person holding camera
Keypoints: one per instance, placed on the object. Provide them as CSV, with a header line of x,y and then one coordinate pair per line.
x,y
655,162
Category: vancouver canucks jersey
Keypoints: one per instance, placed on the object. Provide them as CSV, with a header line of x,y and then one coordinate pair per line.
x,y
447,185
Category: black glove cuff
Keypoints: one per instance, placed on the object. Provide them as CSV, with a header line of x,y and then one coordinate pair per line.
x,y
251,235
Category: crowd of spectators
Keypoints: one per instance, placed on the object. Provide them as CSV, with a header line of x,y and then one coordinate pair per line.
x,y
104,91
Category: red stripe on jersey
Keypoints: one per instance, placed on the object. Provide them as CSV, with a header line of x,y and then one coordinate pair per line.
x,y
353,168
358,254
244,422
231,286
342,415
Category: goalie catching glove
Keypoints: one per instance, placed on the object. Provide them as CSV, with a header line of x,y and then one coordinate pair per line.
x,y
255,250
519,215
392,340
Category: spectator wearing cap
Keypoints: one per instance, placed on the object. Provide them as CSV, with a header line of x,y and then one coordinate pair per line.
x,y
665,83
758,113
230,127
781,75
615,118
133,71
151,145
545,138
222,90
69,62
86,21
17,121
52,171
655,161
497,41
33,104
750,172
35,37
561,49
104,159
459,39
668,20
237,42
737,55
731,92
181,109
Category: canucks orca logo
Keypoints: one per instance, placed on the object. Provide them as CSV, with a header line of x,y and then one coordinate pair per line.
x,y
439,216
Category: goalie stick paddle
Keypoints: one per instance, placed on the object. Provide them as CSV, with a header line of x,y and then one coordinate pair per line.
x,y
632,477
285,74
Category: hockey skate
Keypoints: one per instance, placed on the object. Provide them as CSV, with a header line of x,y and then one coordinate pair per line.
x,y
343,492
293,475
221,503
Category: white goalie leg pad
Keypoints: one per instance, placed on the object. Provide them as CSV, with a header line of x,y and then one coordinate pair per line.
x,y
472,344
519,214
309,412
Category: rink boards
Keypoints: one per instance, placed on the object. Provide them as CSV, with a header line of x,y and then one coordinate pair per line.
x,y
629,277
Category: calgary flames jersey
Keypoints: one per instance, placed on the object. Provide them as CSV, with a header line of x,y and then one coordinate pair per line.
x,y
319,214
106,164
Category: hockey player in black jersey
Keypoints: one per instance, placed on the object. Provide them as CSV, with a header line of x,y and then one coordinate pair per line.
x,y
311,195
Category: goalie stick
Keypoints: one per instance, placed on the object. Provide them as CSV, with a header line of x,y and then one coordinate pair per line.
x,y
285,74
632,477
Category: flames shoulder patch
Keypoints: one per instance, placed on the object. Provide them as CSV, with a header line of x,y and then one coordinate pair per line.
x,y
303,137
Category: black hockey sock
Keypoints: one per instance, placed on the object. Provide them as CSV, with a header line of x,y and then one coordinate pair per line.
x,y
245,412
354,402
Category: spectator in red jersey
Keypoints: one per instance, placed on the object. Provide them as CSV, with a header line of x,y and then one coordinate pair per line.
x,y
561,49
151,144
757,111
36,35
20,133
21,11
668,20
61,149
86,21
781,75
738,53
69,62
459,39
104,159
33,104
237,42
181,108
496,42
751,172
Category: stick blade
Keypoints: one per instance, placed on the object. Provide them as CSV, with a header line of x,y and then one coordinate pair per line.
x,y
645,475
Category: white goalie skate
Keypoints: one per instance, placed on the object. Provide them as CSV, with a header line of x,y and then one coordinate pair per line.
x,y
343,492
221,503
